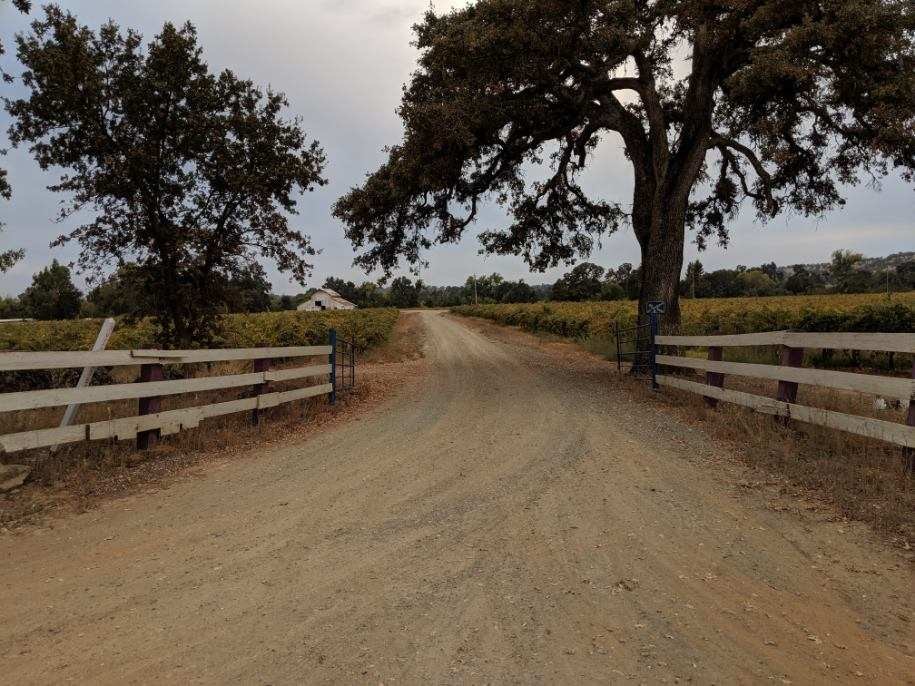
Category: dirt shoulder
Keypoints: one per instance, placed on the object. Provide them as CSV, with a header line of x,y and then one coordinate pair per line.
x,y
69,484
801,468
517,516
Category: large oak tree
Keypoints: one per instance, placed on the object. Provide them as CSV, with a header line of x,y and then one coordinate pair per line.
x,y
188,174
717,104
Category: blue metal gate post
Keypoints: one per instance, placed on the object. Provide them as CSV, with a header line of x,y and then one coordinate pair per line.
x,y
654,320
333,366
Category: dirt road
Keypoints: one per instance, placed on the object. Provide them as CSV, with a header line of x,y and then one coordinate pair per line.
x,y
510,518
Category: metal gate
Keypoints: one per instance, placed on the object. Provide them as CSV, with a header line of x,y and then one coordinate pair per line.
x,y
637,347
342,364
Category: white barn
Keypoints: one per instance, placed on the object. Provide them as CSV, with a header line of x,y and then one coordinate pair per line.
x,y
326,299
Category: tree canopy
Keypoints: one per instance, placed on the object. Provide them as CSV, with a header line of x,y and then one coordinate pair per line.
x,y
775,103
189,174
52,294
9,257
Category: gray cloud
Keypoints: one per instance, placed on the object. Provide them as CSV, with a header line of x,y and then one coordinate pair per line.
x,y
342,64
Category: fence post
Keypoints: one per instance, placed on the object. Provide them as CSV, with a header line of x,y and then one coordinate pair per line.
x,y
619,350
333,366
787,390
715,379
86,377
259,389
150,405
909,453
654,321
352,380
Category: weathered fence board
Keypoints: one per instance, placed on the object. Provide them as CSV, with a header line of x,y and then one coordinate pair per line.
x,y
790,373
24,361
168,422
890,387
864,426
28,400
875,342
151,423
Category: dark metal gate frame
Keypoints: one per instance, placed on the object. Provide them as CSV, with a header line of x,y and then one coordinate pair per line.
x,y
644,353
342,364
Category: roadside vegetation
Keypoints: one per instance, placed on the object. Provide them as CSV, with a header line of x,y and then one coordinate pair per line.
x,y
855,312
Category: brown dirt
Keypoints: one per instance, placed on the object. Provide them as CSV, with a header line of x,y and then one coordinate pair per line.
x,y
515,517
77,478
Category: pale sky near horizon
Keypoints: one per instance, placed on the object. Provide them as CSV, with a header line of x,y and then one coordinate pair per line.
x,y
342,64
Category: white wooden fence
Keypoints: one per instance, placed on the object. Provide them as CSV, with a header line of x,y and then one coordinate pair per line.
x,y
790,373
150,422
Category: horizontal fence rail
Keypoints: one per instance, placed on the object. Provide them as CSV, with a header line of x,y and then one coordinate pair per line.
x,y
150,423
790,373
11,362
874,342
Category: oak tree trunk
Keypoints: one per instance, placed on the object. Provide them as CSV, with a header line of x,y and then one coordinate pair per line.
x,y
660,232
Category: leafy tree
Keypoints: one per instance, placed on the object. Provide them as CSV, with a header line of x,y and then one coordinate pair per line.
x,y
773,271
370,294
52,294
285,303
347,289
188,173
9,257
122,293
722,283
484,289
10,308
694,273
249,290
404,293
803,281
610,290
517,292
582,283
628,278
905,274
783,100
756,283
845,275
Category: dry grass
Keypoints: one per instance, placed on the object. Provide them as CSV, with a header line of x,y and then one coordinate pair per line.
x,y
863,479
76,477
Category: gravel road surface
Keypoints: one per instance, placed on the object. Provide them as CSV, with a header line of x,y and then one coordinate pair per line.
x,y
511,517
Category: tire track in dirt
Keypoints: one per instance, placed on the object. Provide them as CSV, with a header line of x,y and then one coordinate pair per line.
x,y
513,518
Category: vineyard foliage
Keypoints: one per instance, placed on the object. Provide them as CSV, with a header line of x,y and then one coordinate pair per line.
x,y
838,313
369,328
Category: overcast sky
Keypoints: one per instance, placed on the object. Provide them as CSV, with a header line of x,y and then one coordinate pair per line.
x,y
342,64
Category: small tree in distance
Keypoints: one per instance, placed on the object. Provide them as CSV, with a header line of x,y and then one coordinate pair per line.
x,y
52,294
190,174
582,283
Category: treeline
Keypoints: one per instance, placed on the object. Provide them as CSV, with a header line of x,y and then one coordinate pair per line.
x,y
844,274
53,295
404,292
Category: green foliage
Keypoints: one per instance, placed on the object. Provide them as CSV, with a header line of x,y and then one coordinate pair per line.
x,y
52,294
268,329
9,257
582,283
836,313
405,293
190,174
777,105
369,328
